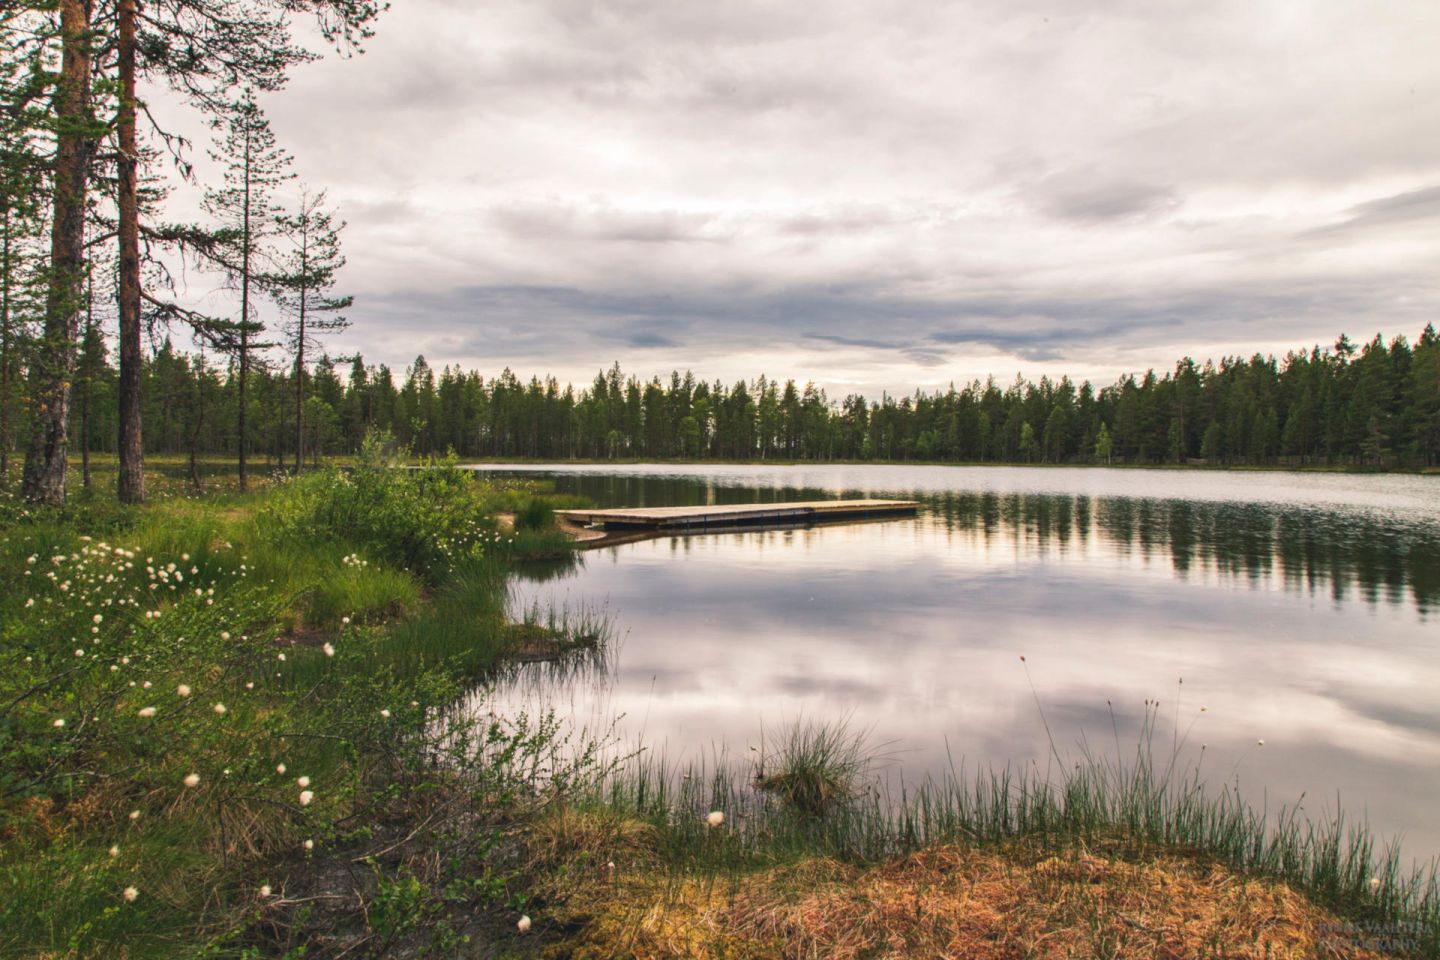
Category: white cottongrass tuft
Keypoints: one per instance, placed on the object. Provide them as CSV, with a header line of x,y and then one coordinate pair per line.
x,y
115,851
306,796
183,690
130,894
385,713
279,768
715,818
225,635
523,924
329,650
309,844
219,708
192,779
147,711
265,890
345,621
134,814
59,722
303,781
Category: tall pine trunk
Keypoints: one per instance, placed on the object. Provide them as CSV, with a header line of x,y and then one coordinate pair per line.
x,y
131,487
53,366
300,391
244,380
87,373
6,266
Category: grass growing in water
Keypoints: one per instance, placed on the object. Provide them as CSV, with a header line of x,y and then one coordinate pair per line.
x,y
1135,809
815,767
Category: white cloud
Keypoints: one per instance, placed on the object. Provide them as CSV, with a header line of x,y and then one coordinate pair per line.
x,y
928,191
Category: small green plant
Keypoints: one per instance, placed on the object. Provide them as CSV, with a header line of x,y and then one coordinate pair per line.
x,y
536,514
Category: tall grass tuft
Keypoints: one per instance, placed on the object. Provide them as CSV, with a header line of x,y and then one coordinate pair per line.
x,y
814,767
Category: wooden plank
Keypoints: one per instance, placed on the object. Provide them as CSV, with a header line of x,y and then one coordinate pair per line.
x,y
739,513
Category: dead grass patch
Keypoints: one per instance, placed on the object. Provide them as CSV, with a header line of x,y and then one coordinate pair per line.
x,y
955,902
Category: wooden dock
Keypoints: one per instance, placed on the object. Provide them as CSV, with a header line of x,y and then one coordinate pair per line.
x,y
742,514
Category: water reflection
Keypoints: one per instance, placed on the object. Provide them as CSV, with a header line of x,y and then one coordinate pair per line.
x,y
1379,556
1295,614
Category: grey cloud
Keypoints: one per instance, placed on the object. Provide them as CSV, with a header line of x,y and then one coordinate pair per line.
x,y
1089,197
875,185
1420,206
530,320
548,221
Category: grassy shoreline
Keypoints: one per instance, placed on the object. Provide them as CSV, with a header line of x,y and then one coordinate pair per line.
x,y
300,653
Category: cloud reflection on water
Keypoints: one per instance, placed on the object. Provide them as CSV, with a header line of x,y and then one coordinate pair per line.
x,y
1301,626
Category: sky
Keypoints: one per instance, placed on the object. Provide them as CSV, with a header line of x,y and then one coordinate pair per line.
x,y
880,195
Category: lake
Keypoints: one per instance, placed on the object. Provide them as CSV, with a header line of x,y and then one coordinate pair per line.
x,y
1297,609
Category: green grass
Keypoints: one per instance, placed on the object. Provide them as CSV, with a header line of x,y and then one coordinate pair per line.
x,y
246,642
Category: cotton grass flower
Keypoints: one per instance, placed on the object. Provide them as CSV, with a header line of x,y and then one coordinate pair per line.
x,y
523,924
265,890
309,844
279,768
192,779
130,894
385,712
147,711
134,814
715,818
183,690
219,708
303,781
329,650
306,796
59,723
115,851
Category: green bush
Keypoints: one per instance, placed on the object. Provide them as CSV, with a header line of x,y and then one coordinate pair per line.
x,y
425,520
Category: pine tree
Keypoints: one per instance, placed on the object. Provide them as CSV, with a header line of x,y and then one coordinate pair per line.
x,y
52,366
254,165
303,290
202,49
22,181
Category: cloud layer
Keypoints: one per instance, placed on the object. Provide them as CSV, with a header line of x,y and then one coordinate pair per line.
x,y
877,195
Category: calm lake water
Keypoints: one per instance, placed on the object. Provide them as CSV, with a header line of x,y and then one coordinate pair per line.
x,y
1300,609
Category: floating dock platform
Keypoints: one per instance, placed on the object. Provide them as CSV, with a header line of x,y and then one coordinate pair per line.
x,y
731,515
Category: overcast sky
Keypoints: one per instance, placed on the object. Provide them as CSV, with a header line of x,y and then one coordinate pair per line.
x,y
877,195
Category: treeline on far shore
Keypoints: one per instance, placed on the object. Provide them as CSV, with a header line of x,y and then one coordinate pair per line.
x,y
1376,405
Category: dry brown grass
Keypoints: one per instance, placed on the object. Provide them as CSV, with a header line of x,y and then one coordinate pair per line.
x,y
955,902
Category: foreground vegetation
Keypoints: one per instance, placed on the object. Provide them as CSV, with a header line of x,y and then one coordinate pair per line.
x,y
233,726
207,708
